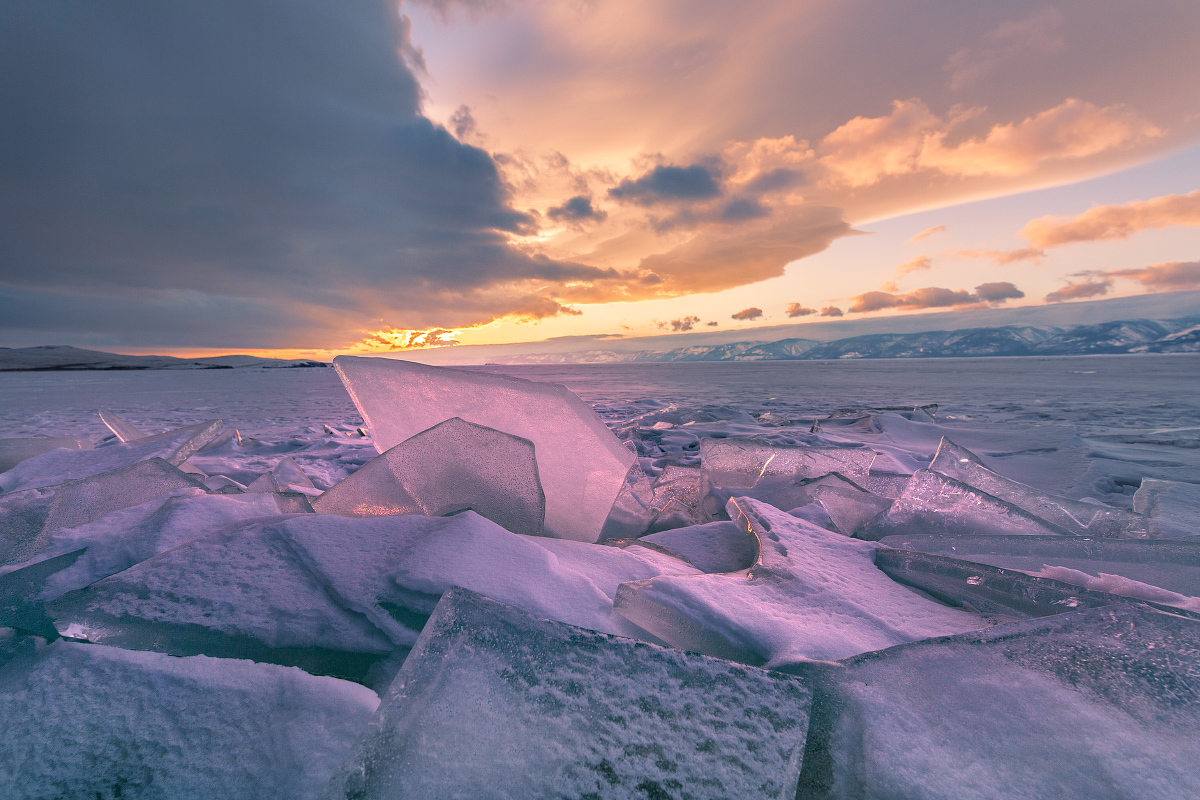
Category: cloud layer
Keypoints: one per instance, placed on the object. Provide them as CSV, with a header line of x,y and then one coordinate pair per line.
x,y
1104,223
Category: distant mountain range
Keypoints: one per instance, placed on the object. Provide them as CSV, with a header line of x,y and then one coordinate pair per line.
x,y
1123,336
60,357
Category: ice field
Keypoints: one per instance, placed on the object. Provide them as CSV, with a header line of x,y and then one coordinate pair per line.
x,y
946,578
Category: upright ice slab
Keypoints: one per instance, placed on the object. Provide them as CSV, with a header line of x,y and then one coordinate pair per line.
x,y
1070,517
14,451
495,703
84,721
582,465
286,476
677,501
1171,508
811,594
454,466
1095,703
772,473
56,466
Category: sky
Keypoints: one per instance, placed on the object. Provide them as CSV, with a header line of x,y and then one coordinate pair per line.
x,y
309,178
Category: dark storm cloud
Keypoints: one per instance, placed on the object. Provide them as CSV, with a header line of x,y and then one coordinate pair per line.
x,y
998,292
667,183
577,209
264,155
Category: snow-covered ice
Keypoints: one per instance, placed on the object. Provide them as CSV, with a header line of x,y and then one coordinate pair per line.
x,y
495,703
157,569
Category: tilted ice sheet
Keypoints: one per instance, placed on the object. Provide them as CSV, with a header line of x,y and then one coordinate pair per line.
x,y
452,467
1172,565
1050,457
286,476
242,592
14,451
933,503
1172,508
132,535
495,703
1068,516
811,595
582,465
85,721
57,466
1096,703
771,473
78,502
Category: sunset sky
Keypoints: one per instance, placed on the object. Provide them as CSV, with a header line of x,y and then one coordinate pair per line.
x,y
310,178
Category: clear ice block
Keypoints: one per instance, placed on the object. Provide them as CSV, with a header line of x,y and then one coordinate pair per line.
x,y
454,466
848,505
934,503
772,473
1094,703
121,428
14,451
1172,508
286,476
1070,517
495,703
677,501
56,466
582,465
84,721
812,594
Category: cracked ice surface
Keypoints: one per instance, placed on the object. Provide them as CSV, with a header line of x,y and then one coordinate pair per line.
x,y
581,464
812,595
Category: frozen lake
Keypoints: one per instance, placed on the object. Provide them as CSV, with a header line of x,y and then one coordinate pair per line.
x,y
1096,394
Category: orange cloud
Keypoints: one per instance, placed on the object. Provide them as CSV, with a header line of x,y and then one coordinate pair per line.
x,y
748,313
1115,222
865,150
1171,276
1032,35
797,310
1005,256
831,311
914,264
925,234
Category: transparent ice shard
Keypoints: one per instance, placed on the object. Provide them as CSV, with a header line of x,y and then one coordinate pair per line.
x,y
1002,594
240,592
1122,586
126,432
581,463
493,702
454,466
714,547
933,503
772,473
84,721
56,466
633,510
1095,703
811,594
14,451
1172,565
1070,517
847,504
1172,508
22,517
86,500
119,426
286,476
677,501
